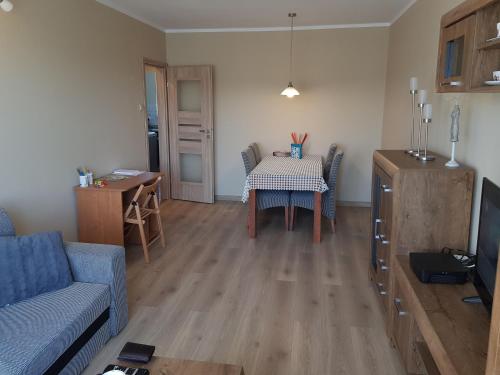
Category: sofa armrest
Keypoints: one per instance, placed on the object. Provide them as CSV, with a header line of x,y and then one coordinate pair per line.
x,y
102,264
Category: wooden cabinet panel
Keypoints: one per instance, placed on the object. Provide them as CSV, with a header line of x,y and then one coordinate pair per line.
x,y
412,203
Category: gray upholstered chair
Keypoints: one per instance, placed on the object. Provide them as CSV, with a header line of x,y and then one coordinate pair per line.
x,y
305,199
329,159
266,198
255,149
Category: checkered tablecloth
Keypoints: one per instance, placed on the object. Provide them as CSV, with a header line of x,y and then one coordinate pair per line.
x,y
285,173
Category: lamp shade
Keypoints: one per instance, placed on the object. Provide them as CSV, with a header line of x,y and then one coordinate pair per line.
x,y
6,5
290,91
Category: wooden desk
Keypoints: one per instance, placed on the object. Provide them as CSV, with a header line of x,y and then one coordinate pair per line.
x,y
168,366
100,210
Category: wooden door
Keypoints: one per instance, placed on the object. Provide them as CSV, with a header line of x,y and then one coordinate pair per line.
x,y
190,114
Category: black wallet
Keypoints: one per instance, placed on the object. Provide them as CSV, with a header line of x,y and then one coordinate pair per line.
x,y
134,352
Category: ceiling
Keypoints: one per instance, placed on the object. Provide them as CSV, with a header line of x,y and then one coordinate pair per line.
x,y
176,15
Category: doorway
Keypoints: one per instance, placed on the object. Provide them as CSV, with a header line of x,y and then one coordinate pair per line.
x,y
156,123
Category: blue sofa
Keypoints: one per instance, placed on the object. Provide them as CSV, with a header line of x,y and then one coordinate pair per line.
x,y
62,330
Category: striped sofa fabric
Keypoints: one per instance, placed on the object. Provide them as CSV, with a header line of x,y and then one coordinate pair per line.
x,y
61,331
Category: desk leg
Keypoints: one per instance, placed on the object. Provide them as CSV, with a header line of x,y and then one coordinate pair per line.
x,y
317,217
252,207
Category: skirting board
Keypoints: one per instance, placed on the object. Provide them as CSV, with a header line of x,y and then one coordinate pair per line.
x,y
237,198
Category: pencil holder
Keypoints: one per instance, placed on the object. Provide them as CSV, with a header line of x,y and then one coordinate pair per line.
x,y
296,151
84,182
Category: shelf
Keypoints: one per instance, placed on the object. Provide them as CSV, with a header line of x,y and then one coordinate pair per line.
x,y
493,44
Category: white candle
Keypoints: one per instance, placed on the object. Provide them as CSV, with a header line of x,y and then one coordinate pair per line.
x,y
422,97
413,83
428,111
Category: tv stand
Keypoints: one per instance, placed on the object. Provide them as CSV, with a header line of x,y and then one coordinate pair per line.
x,y
434,331
472,300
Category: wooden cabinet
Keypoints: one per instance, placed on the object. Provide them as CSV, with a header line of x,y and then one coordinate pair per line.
x,y
468,50
415,207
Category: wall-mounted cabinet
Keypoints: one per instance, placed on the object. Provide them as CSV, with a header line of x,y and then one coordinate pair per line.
x,y
469,48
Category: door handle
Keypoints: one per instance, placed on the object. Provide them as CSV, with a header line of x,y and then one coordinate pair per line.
x,y
383,267
377,224
399,308
386,189
382,238
381,289
452,83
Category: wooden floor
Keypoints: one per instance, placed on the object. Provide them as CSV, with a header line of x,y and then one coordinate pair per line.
x,y
277,305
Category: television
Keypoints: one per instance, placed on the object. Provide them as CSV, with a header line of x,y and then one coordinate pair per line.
x,y
488,243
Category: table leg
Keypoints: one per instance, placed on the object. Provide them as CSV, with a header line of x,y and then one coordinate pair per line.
x,y
317,217
252,208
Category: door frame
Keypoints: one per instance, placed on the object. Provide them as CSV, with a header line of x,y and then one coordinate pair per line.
x,y
163,134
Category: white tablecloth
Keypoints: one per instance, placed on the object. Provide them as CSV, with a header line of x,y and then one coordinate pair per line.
x,y
285,173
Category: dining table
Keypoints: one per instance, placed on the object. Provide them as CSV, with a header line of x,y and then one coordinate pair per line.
x,y
286,173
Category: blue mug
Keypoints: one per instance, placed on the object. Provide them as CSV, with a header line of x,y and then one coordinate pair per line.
x,y
296,151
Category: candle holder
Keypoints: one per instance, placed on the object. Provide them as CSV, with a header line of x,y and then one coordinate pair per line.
x,y
412,150
424,157
418,151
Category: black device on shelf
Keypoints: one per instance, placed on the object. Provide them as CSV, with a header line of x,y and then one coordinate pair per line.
x,y
438,268
488,242
135,352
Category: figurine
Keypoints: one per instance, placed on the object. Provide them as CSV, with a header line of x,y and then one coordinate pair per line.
x,y
454,134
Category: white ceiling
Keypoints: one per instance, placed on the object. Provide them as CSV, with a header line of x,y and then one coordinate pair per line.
x,y
175,15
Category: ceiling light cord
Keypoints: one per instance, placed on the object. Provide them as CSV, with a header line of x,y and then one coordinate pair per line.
x,y
292,16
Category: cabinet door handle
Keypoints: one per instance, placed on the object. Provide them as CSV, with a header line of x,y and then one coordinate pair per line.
x,y
452,83
381,289
386,189
399,308
377,225
383,267
383,239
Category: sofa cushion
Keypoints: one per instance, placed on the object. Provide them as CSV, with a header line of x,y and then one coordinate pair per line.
x,y
31,265
6,226
37,331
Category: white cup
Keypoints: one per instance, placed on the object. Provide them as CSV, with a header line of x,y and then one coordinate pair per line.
x,y
496,75
84,182
90,178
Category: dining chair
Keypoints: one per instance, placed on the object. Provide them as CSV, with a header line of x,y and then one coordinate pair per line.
x,y
305,199
143,205
266,198
255,148
329,159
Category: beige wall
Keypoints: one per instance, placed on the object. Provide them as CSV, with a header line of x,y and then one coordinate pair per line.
x,y
70,85
413,50
340,74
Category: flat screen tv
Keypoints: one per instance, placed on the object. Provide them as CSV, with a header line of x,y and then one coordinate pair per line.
x,y
488,243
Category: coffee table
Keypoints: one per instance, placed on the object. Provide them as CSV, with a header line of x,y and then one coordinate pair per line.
x,y
169,366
